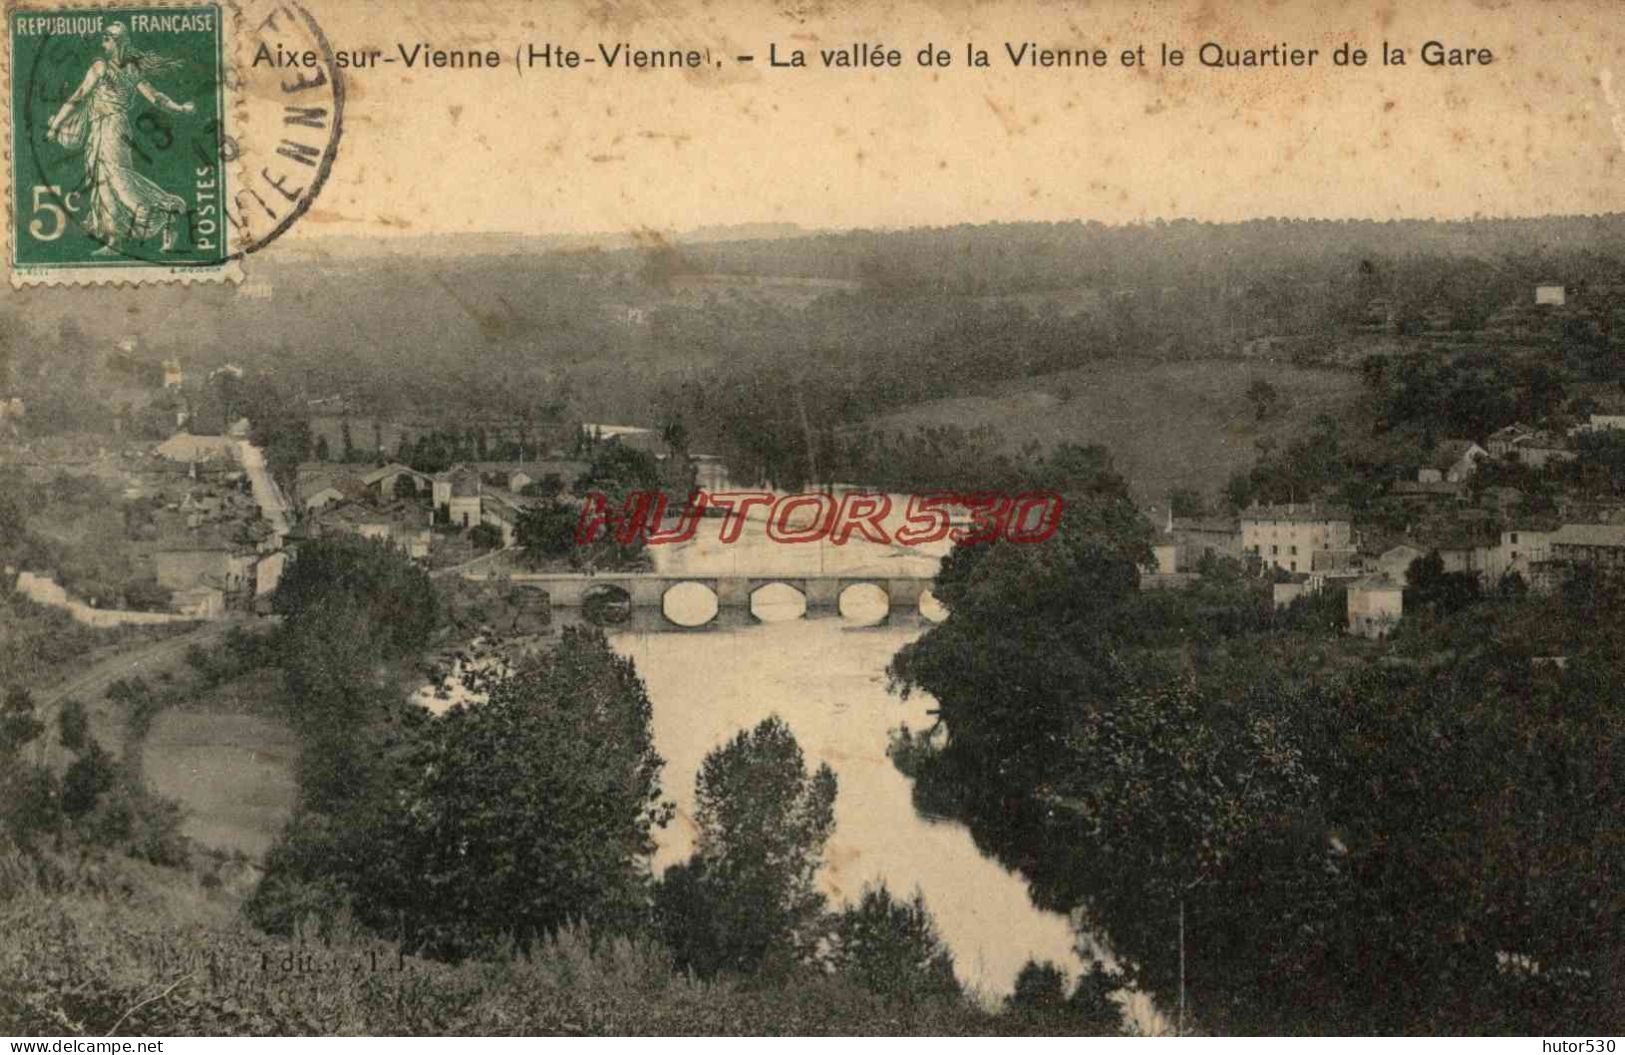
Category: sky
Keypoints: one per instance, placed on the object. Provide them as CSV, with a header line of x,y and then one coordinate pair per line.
x,y
1539,130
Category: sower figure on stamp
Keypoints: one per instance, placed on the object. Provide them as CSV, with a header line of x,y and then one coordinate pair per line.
x,y
124,205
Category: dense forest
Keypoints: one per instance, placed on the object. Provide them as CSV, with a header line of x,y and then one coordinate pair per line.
x,y
1294,830
855,321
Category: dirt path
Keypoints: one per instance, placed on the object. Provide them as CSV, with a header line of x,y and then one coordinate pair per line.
x,y
143,660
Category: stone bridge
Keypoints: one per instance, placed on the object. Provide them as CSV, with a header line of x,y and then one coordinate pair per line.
x,y
649,589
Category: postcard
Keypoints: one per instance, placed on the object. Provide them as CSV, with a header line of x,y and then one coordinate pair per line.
x,y
795,517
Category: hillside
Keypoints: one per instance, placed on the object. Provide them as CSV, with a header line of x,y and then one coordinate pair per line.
x,y
109,945
1167,425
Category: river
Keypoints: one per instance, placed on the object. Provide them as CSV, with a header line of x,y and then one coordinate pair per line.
x,y
825,676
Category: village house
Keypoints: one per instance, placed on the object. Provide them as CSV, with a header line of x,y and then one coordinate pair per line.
x,y
1289,536
634,436
400,524
187,449
268,572
456,493
1600,423
516,476
1375,604
502,509
1528,446
710,473
1599,547
1452,461
1199,537
1503,441
339,487
1523,548
383,481
1551,294
1417,494
1284,593
1396,561
1182,542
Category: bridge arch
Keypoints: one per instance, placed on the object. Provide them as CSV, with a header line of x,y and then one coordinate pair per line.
x,y
606,603
690,603
777,600
864,602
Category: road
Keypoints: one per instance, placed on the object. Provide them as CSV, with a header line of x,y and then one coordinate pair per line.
x,y
142,661
272,502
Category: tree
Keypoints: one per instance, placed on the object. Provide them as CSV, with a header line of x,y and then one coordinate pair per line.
x,y
675,435
748,899
1040,987
329,658
1428,584
546,531
508,819
89,776
1091,1001
30,798
1265,397
486,537
1026,650
616,470
73,725
278,423
549,486
1184,502
322,452
891,948
18,726
395,595
405,488
13,524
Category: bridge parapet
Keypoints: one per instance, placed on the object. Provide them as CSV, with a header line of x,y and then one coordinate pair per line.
x,y
570,590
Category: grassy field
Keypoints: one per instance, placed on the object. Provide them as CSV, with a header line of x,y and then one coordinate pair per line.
x,y
229,765
1167,425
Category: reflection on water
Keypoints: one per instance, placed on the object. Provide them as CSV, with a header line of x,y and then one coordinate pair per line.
x,y
824,674
826,679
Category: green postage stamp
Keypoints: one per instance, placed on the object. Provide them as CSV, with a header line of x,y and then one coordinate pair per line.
x,y
117,145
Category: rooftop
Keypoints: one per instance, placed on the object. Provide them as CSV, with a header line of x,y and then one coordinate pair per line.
x,y
1448,452
1379,580
391,469
1612,535
185,447
1301,512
